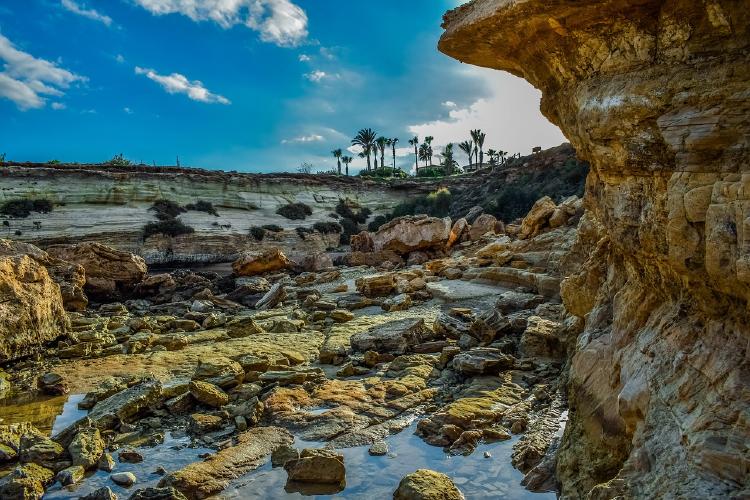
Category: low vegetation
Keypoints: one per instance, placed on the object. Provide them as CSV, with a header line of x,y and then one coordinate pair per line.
x,y
166,209
21,209
435,204
302,232
351,218
202,206
258,233
273,228
328,227
295,211
168,227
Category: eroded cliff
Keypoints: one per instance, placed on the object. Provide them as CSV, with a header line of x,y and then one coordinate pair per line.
x,y
655,95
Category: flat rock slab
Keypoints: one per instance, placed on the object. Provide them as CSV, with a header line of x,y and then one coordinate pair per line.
x,y
462,290
203,479
394,337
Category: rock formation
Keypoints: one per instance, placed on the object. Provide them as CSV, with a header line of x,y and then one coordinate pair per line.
x,y
31,306
655,95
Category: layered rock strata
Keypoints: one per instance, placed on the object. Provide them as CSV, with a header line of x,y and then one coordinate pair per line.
x,y
655,95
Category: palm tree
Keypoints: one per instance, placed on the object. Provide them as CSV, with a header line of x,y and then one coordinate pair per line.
x,y
424,153
428,140
493,156
347,160
365,139
415,142
448,162
394,141
468,148
381,142
479,137
502,156
337,154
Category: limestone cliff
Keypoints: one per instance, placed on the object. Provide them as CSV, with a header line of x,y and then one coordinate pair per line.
x,y
655,95
110,205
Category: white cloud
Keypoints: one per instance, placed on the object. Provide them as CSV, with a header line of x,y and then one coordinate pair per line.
x,y
89,13
179,84
304,58
510,117
120,58
449,104
26,79
278,21
127,110
318,76
304,139
57,106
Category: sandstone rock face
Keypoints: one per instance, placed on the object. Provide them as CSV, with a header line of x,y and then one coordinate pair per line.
x,y
410,233
538,216
262,261
31,306
107,270
655,95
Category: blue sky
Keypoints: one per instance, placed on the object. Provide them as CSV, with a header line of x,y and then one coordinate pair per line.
x,y
248,85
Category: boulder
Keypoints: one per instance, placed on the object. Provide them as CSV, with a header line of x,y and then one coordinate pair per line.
x,y
86,448
10,439
31,306
208,394
103,493
362,242
473,213
484,224
203,479
316,262
26,482
317,466
379,285
38,449
108,270
157,494
260,262
541,339
482,361
52,384
272,298
457,231
395,337
537,218
427,484
219,371
125,479
407,234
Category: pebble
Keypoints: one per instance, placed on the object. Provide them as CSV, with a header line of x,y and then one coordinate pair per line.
x,y
123,478
487,454
378,449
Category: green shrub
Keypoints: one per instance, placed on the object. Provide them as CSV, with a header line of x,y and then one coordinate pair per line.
x,y
169,227
384,173
376,223
345,210
431,172
202,206
328,227
350,228
258,233
295,211
166,209
302,232
119,161
23,208
273,228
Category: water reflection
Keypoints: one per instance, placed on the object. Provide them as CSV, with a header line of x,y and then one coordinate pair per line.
x,y
378,477
45,412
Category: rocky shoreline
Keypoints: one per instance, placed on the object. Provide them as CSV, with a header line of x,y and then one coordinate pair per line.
x,y
466,341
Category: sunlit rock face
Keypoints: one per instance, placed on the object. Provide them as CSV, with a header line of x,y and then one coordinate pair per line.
x,y
656,95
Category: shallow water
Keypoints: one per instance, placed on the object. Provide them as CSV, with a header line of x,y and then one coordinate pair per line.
x,y
378,477
49,414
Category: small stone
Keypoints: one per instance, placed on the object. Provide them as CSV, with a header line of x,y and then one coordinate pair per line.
x,y
240,423
53,384
125,479
104,493
130,456
378,449
106,463
487,454
71,475
160,471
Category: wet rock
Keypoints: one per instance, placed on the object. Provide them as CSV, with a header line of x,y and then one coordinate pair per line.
x,y
203,479
26,482
70,475
125,404
466,443
395,337
40,450
378,449
427,484
86,448
130,456
180,405
10,439
317,466
283,454
260,262
52,384
200,423
167,493
481,361
126,479
208,394
106,463
103,493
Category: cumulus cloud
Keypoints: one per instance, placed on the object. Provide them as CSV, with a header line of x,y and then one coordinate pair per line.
x,y
449,104
304,139
304,58
179,84
120,58
57,106
92,14
277,21
25,79
318,76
